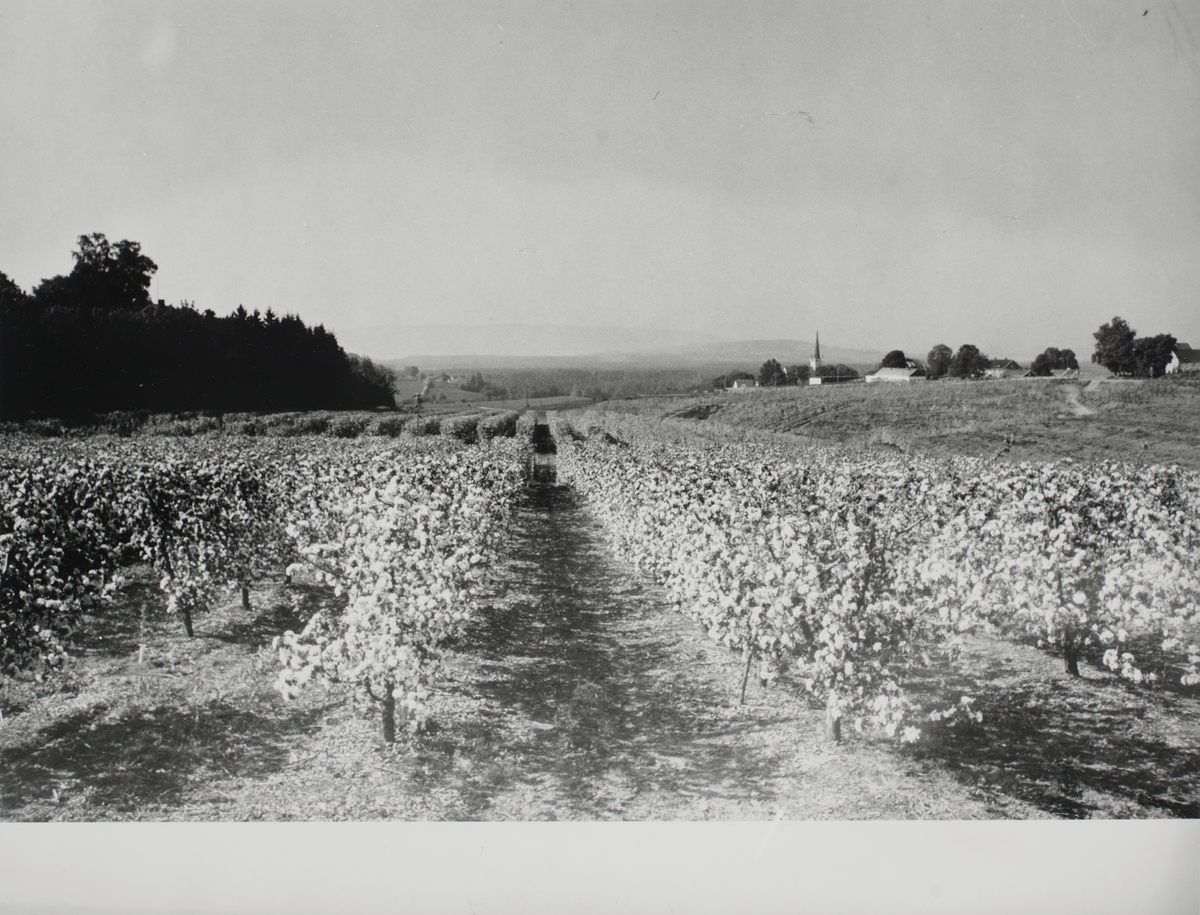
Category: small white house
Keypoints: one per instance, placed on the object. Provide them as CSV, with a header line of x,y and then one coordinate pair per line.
x,y
1183,359
904,374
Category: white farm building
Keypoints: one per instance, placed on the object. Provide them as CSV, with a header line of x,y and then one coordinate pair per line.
x,y
1183,359
904,374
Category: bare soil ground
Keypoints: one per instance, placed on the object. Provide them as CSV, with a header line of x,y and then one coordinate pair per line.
x,y
578,694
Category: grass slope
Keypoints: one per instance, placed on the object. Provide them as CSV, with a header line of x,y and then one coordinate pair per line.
x,y
1137,421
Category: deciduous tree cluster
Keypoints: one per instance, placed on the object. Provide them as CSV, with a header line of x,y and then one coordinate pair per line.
x,y
1120,351
1054,360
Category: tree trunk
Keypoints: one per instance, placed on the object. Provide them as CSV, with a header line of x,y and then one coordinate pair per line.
x,y
186,613
746,675
389,713
1071,659
245,596
833,721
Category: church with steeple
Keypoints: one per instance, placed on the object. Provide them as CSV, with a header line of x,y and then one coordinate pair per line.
x,y
820,373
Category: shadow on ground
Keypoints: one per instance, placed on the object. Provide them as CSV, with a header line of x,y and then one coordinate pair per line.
x,y
584,708
114,764
154,733
1075,748
116,628
271,617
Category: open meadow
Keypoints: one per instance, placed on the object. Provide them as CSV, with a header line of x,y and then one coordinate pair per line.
x,y
1015,419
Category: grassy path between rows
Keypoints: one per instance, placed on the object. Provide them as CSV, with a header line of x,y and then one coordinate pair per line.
x,y
607,704
577,694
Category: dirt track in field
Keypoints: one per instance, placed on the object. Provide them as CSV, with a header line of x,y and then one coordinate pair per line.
x,y
1075,405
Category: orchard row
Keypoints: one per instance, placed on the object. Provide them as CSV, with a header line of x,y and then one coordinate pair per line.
x,y
849,568
404,530
844,569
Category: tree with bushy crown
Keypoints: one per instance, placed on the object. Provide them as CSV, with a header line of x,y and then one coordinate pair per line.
x,y
939,359
836,372
798,374
106,277
1063,358
772,374
894,360
1151,355
10,292
1054,360
968,362
1114,347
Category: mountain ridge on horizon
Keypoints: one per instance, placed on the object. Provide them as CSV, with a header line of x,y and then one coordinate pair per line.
x,y
514,344
394,341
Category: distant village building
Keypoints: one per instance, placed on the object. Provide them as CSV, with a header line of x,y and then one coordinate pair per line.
x,y
1183,359
909,373
1067,374
820,372
1002,368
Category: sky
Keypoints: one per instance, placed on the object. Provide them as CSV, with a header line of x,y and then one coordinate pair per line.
x,y
894,175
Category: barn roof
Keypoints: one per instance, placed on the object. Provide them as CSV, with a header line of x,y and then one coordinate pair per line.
x,y
898,373
1186,354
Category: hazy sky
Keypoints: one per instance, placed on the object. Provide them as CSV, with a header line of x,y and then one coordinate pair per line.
x,y
896,174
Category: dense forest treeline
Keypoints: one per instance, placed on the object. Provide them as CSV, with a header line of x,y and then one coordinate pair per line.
x,y
94,342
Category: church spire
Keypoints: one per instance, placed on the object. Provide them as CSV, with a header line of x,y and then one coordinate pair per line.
x,y
815,362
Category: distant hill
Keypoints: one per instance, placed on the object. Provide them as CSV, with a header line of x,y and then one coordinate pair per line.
x,y
397,343
513,346
788,352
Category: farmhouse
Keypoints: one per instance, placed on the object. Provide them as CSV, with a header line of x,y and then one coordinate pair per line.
x,y
1183,359
1067,374
1002,368
905,374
